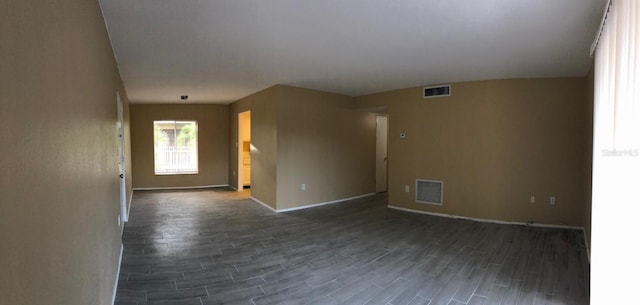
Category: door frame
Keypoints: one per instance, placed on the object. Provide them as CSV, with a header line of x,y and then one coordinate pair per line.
x,y
239,143
379,189
122,164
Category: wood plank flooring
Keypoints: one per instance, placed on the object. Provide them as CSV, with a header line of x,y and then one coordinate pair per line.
x,y
216,246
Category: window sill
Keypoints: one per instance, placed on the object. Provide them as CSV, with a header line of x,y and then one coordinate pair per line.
x,y
173,174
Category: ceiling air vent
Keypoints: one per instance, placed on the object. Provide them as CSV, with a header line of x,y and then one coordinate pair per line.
x,y
437,91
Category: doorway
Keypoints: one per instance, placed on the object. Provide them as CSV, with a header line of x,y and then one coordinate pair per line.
x,y
382,134
244,150
122,161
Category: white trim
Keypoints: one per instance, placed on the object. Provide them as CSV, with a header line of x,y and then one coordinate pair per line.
x,y
310,205
122,156
179,187
264,204
233,187
130,203
115,286
541,225
323,203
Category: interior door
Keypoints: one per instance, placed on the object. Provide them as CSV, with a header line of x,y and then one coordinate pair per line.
x,y
382,129
121,161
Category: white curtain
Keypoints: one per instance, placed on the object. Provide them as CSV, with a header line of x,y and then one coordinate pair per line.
x,y
615,247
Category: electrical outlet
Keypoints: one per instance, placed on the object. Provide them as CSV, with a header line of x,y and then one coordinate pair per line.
x,y
406,188
303,187
532,199
552,200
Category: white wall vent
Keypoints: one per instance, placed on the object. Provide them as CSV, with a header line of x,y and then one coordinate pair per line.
x,y
429,191
436,91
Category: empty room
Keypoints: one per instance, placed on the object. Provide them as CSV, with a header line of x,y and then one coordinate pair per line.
x,y
160,152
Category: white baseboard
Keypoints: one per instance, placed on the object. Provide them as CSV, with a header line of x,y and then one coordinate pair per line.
x,y
264,204
179,187
541,225
233,187
310,205
115,286
313,205
129,206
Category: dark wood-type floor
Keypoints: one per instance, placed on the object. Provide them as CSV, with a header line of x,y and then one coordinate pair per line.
x,y
217,246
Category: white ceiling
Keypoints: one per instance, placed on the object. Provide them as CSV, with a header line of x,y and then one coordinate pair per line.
x,y
218,51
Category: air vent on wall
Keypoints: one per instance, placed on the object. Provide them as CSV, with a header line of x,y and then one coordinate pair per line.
x,y
429,191
436,91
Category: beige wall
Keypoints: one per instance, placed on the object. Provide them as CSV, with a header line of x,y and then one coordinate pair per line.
x,y
494,144
263,106
305,136
213,135
325,144
59,182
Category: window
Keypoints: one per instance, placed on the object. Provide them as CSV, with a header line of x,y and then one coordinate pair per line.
x,y
175,146
616,154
